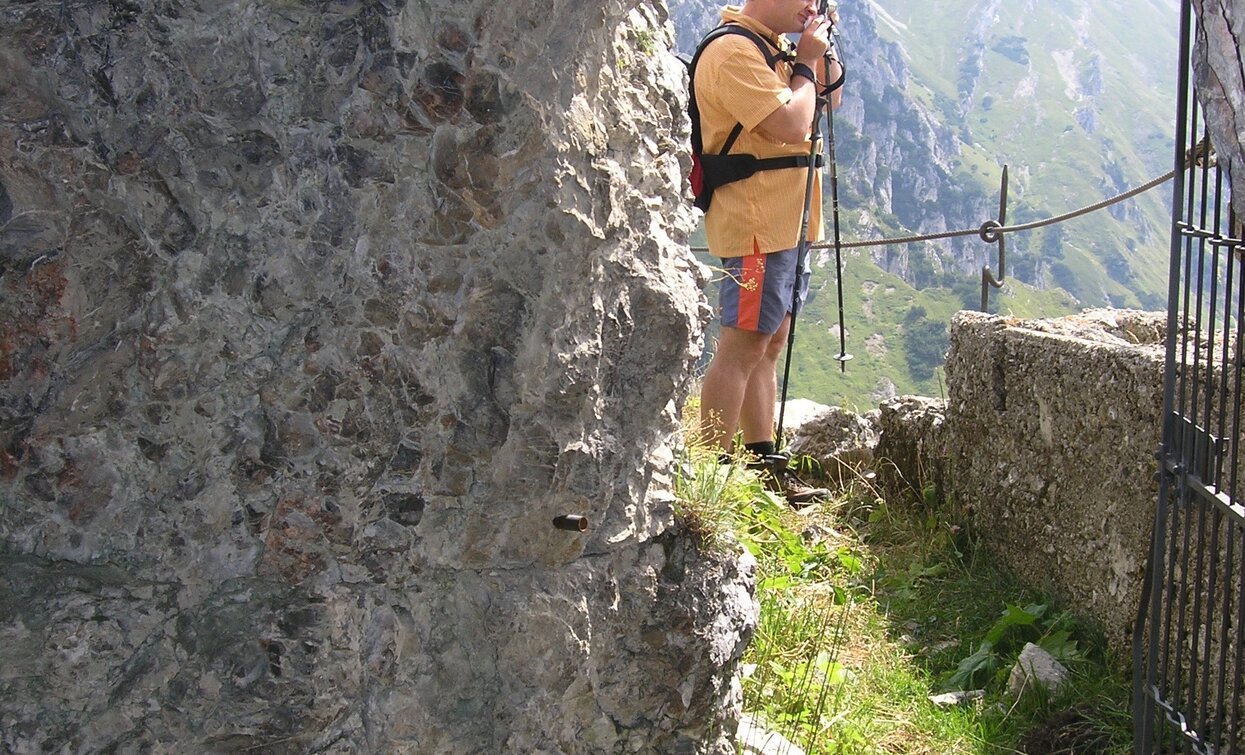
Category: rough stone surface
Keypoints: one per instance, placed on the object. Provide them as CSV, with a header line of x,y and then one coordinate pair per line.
x,y
1053,425
913,448
840,439
1219,79
314,316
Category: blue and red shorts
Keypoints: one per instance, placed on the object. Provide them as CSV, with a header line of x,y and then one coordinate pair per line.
x,y
756,291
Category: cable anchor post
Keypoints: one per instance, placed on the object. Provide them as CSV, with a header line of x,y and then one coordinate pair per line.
x,y
991,232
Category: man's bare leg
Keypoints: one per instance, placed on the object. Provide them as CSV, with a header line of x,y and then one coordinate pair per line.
x,y
739,389
756,416
722,393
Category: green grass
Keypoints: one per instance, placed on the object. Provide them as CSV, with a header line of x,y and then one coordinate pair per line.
x,y
938,599
868,607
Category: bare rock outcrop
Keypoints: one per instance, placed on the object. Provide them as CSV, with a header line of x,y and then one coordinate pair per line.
x,y
315,315
841,441
1219,79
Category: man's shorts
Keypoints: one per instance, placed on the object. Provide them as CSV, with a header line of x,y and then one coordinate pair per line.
x,y
756,291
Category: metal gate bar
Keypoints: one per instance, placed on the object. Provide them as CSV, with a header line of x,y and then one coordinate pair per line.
x,y
1189,642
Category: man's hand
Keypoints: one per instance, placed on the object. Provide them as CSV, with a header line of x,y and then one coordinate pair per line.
x,y
815,39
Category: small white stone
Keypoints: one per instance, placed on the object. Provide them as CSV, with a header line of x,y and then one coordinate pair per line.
x,y
755,739
948,699
1036,666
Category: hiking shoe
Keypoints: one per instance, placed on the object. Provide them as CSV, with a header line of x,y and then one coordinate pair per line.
x,y
781,479
796,491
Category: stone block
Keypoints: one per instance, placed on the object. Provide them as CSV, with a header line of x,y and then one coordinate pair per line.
x,y
1052,430
912,450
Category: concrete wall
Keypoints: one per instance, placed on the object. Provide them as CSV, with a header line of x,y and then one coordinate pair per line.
x,y
1051,431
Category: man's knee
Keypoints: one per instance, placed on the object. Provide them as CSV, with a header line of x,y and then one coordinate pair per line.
x,y
774,348
743,348
777,342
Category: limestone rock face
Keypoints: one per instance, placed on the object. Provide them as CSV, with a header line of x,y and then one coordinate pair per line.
x,y
1220,82
315,315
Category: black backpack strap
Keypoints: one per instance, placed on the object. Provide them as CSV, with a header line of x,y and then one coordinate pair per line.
x,y
723,168
730,138
771,53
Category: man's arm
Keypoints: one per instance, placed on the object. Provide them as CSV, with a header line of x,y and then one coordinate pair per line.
x,y
791,122
835,70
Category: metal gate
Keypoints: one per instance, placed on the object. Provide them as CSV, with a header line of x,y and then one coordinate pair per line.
x,y
1190,633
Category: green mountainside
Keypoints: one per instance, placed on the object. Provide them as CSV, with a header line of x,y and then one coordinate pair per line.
x,y
1076,99
1079,99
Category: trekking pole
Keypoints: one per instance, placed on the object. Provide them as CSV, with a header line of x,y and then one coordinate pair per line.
x,y
843,356
823,9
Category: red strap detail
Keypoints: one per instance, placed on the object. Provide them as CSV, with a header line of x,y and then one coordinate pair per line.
x,y
751,285
697,177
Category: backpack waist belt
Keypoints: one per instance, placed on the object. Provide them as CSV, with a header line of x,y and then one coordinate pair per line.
x,y
719,170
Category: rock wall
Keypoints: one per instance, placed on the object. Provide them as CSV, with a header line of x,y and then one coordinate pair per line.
x,y
315,315
1219,79
912,449
1052,426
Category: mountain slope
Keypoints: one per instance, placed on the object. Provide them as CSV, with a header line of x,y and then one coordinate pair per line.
x,y
1078,99
940,96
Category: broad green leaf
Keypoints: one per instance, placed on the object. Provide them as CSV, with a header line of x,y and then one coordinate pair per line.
x,y
982,660
1014,617
851,563
1060,645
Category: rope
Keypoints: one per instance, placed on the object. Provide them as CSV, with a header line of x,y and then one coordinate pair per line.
x,y
990,231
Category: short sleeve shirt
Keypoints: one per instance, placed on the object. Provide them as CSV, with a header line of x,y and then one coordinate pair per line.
x,y
734,84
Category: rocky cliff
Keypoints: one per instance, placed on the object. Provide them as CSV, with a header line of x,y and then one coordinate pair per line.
x,y
895,156
315,316
1219,81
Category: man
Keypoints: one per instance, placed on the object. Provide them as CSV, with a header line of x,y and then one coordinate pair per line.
x,y
753,224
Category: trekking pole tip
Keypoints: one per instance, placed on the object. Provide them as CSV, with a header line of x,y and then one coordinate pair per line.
x,y
843,358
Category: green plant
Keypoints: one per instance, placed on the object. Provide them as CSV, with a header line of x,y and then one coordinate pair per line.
x,y
645,40
1003,641
705,493
806,590
794,678
783,556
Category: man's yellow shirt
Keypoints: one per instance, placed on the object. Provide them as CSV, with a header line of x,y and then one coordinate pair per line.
x,y
761,213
